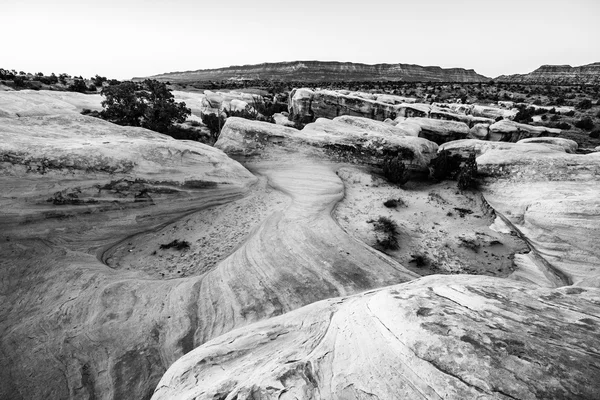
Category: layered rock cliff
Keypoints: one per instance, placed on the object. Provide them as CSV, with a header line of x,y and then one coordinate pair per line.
x,y
318,71
558,75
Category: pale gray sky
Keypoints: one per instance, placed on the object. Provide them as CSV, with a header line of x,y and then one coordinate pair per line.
x,y
126,38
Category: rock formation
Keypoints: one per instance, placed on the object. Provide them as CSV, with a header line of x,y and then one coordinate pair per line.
x,y
428,339
558,75
320,71
510,131
132,264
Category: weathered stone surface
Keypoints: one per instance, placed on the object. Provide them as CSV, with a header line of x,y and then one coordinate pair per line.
x,y
492,112
281,119
552,198
479,131
558,75
25,103
357,141
570,146
510,131
467,119
404,342
299,104
371,125
441,131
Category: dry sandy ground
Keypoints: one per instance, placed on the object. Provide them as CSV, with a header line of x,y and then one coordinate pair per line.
x,y
449,228
213,234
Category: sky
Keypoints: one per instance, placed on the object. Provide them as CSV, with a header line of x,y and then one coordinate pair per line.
x,y
125,38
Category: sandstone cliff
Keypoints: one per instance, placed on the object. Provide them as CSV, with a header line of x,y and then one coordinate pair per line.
x,y
319,71
558,75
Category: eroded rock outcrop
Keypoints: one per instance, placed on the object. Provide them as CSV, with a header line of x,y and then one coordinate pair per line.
x,y
404,342
510,131
552,198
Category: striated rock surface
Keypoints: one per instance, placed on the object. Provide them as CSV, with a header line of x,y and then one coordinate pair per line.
x,y
570,146
321,71
347,139
433,338
552,198
558,75
510,131
441,131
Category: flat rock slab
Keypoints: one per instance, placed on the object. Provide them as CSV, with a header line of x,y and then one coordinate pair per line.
x,y
433,338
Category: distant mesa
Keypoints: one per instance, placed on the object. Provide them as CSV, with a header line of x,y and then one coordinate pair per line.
x,y
323,71
558,75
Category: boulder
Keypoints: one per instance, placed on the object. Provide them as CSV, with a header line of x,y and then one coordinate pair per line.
x,y
510,131
299,104
441,131
493,112
570,146
350,139
28,103
467,119
413,110
458,337
281,119
479,131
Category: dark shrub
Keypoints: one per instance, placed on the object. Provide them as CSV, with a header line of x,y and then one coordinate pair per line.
x,y
584,104
176,244
563,125
585,123
393,203
467,177
570,113
394,170
445,165
78,85
387,231
214,124
150,105
595,134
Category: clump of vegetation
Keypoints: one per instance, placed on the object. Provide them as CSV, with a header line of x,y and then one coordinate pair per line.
x,y
563,125
445,165
214,124
595,134
176,244
584,104
149,104
394,203
467,177
585,124
387,232
395,171
420,260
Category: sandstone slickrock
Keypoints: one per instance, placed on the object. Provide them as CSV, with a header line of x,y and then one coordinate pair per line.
x,y
570,146
552,198
319,71
86,330
441,131
26,103
510,131
472,337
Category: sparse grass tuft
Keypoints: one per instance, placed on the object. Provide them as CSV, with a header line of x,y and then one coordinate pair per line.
x,y
386,230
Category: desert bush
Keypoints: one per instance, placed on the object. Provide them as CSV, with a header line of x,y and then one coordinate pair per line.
x,y
585,123
394,170
595,134
584,104
525,115
570,113
467,177
563,125
445,165
176,244
78,85
387,232
98,80
394,203
420,260
149,104
214,124
92,88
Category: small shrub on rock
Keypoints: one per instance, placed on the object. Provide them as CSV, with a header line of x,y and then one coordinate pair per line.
x,y
585,124
394,170
467,177
387,231
563,125
176,244
595,134
445,165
